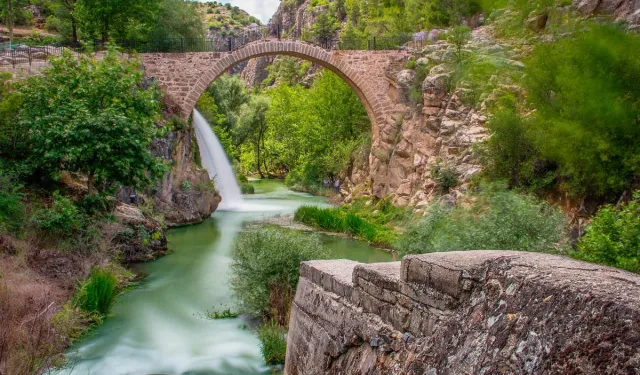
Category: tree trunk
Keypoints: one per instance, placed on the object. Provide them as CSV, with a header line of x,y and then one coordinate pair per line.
x,y
10,20
74,30
90,183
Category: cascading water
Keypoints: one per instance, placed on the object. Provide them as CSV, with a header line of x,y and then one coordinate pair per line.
x,y
216,162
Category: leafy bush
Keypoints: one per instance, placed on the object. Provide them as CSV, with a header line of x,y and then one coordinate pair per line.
x,y
495,219
445,176
587,99
96,204
99,293
265,269
247,188
613,238
12,208
63,217
273,343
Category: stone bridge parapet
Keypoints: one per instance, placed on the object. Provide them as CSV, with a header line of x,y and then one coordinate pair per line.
x,y
474,312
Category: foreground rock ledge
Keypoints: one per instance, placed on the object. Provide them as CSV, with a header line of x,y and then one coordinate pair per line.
x,y
472,312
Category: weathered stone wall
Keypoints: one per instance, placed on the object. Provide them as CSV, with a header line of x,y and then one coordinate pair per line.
x,y
475,312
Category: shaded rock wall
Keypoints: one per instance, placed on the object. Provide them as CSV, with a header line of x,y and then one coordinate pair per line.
x,y
476,312
185,194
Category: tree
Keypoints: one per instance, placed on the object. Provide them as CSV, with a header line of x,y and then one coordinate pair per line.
x,y
177,19
252,127
229,95
325,27
10,9
94,117
106,17
459,36
65,10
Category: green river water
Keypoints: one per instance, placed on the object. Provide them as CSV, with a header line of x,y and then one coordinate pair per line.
x,y
159,328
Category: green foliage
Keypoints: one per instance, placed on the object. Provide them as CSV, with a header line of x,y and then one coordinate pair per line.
x,y
459,36
613,238
224,314
176,19
445,176
61,218
495,219
98,293
273,343
246,188
314,133
264,259
12,208
11,136
94,117
587,102
330,219
510,153
287,70
324,27
343,221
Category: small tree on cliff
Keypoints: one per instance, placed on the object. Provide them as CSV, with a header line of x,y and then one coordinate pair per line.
x,y
94,117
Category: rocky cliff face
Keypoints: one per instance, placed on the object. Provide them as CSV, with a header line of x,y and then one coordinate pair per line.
x,y
622,10
476,312
434,127
186,195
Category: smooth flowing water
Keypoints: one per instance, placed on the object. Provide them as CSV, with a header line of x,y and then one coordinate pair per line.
x,y
216,162
159,328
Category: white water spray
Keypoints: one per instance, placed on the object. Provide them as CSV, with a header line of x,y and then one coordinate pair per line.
x,y
216,162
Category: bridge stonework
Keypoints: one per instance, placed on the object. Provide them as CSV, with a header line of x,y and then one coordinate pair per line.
x,y
185,76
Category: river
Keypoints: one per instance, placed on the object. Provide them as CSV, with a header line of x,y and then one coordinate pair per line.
x,y
159,327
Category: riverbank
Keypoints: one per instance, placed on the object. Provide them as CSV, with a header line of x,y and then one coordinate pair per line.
x,y
160,326
49,279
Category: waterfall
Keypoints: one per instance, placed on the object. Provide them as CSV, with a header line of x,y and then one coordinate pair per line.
x,y
216,162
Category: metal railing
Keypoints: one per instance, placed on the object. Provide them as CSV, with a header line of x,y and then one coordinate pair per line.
x,y
23,54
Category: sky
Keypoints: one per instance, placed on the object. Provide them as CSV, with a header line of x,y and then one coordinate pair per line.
x,y
261,9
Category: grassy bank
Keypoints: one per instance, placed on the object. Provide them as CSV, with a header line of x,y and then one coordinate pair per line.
x,y
377,224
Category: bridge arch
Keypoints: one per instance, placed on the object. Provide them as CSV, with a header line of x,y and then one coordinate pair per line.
x,y
185,76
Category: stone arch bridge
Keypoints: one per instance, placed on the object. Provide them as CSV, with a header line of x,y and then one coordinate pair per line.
x,y
185,76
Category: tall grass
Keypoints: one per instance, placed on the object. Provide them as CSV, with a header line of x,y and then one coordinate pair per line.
x,y
343,221
99,293
273,343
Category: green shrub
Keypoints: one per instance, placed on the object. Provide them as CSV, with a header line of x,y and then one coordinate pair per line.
x,y
247,189
586,96
12,208
96,204
62,217
265,269
495,219
99,292
613,238
446,177
273,343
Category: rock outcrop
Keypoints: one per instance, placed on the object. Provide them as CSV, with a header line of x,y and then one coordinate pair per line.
x,y
186,194
621,10
475,312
